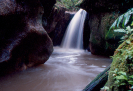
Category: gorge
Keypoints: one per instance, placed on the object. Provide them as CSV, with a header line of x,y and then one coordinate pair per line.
x,y
32,30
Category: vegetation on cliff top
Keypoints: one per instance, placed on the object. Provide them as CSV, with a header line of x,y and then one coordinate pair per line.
x,y
106,5
68,4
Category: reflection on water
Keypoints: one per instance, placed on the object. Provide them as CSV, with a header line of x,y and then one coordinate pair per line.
x,y
66,70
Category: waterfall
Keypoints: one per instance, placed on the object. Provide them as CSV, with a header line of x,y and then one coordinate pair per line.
x,y
74,34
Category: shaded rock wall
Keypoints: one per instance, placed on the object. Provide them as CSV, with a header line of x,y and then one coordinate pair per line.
x,y
102,13
99,25
86,33
97,6
96,27
56,24
23,40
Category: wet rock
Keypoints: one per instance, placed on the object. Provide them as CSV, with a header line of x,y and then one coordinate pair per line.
x,y
56,15
95,29
86,33
99,25
23,40
97,6
102,13
57,23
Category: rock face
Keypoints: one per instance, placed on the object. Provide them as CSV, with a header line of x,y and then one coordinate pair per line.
x,y
102,13
56,24
86,33
23,40
99,25
97,6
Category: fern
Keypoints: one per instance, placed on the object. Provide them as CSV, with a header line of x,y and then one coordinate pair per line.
x,y
121,22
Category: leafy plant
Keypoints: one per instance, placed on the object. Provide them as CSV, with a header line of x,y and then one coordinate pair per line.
x,y
121,76
120,30
121,72
122,21
68,4
128,31
122,79
105,88
120,24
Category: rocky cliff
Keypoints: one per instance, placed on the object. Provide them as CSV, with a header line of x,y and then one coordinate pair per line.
x,y
102,13
23,40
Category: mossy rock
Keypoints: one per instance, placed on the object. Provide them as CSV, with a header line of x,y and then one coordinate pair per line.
x,y
122,62
99,25
96,6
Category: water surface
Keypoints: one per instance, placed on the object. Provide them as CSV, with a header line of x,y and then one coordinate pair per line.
x,y
66,70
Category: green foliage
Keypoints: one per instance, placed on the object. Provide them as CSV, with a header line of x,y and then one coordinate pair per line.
x,y
120,29
105,88
122,21
121,72
122,78
68,4
128,31
121,24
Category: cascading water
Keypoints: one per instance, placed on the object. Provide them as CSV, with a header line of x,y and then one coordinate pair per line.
x,y
74,34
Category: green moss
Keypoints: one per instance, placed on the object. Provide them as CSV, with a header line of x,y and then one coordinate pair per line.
x,y
122,62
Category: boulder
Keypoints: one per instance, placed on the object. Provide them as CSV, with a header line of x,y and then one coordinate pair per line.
x,y
23,40
102,13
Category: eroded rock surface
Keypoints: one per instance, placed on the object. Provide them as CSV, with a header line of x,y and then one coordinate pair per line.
x,y
23,40
56,24
102,13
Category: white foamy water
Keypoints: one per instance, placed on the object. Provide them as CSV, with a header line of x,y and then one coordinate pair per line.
x,y
74,34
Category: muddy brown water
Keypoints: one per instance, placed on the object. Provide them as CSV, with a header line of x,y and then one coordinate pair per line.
x,y
66,70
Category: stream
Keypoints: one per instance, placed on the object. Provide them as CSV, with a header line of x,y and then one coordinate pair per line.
x,y
66,70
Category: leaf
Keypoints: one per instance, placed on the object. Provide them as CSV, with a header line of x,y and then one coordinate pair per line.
x,y
131,76
105,88
115,71
128,28
126,56
123,84
121,77
127,17
119,20
123,73
117,81
120,30
132,23
128,41
130,82
124,37
113,25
